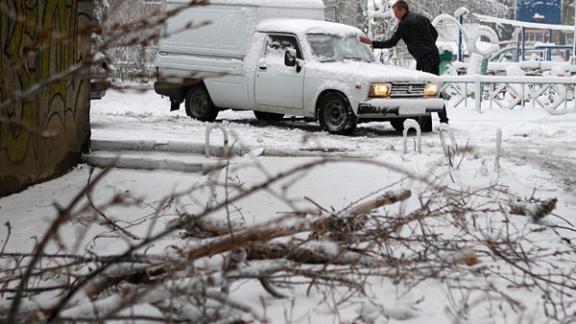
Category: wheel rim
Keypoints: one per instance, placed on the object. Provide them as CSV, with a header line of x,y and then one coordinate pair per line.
x,y
199,104
335,114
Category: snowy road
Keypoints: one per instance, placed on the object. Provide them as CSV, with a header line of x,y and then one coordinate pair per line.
x,y
529,137
539,158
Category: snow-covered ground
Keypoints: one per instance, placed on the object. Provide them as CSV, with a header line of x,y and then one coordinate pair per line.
x,y
531,137
538,159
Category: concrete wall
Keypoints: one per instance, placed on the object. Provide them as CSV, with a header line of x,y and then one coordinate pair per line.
x,y
41,137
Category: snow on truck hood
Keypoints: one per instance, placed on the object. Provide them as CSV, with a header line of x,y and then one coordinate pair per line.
x,y
372,72
306,26
360,71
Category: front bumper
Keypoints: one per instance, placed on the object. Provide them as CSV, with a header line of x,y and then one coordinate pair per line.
x,y
390,108
168,89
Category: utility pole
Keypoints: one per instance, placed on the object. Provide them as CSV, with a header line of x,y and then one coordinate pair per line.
x,y
461,14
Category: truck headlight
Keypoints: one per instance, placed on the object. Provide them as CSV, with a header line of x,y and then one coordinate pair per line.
x,y
431,90
380,90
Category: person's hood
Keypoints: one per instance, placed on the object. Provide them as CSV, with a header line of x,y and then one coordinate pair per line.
x,y
371,72
408,13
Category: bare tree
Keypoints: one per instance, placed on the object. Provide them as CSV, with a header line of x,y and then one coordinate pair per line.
x,y
451,237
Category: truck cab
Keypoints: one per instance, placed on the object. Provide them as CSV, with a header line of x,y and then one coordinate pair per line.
x,y
298,67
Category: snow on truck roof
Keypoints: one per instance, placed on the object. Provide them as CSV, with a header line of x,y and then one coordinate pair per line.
x,y
312,4
306,26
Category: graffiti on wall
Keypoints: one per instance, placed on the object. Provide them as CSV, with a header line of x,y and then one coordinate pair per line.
x,y
39,39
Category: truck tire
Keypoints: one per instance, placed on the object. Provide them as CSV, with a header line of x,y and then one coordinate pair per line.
x,y
267,116
425,123
335,114
398,124
199,105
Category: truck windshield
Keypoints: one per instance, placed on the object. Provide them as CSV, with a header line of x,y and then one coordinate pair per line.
x,y
332,48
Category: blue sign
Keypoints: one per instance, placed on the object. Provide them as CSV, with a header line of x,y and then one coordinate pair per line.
x,y
540,11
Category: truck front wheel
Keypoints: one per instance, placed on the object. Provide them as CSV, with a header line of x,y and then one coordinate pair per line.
x,y
335,114
199,105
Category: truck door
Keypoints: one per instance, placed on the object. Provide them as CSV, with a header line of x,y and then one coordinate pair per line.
x,y
278,85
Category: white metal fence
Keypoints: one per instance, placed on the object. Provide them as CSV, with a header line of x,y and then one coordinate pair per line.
x,y
137,72
553,94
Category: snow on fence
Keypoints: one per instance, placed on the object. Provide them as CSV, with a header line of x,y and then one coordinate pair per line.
x,y
530,68
553,94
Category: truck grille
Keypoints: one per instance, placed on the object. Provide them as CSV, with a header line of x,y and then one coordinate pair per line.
x,y
407,90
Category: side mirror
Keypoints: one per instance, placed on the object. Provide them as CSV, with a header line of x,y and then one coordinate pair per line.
x,y
290,58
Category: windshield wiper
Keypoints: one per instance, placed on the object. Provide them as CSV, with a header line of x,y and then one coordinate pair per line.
x,y
353,58
359,59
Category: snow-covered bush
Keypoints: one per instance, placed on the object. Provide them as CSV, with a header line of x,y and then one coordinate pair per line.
x,y
196,269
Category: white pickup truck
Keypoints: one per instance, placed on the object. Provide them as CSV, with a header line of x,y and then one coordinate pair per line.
x,y
281,58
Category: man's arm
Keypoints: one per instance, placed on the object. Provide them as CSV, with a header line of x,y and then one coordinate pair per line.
x,y
390,42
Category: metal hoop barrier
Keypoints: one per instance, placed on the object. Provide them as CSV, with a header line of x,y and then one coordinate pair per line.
x,y
209,130
447,130
408,125
498,150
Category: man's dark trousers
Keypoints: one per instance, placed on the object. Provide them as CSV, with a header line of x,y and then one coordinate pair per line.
x,y
431,64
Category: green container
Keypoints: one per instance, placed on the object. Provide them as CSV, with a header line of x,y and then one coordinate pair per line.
x,y
445,60
484,67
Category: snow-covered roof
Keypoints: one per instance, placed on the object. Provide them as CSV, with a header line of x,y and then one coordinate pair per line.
x,y
517,23
313,4
306,26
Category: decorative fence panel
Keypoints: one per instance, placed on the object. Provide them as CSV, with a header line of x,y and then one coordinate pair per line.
x,y
553,94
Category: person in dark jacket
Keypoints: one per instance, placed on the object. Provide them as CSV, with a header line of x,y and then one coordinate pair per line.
x,y
420,38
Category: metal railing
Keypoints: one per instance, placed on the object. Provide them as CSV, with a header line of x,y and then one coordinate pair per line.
x,y
133,71
553,94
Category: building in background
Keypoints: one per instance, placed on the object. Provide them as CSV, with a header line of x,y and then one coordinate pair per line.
x,y
349,12
43,136
539,11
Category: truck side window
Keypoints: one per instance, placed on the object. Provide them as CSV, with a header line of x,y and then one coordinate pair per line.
x,y
276,45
